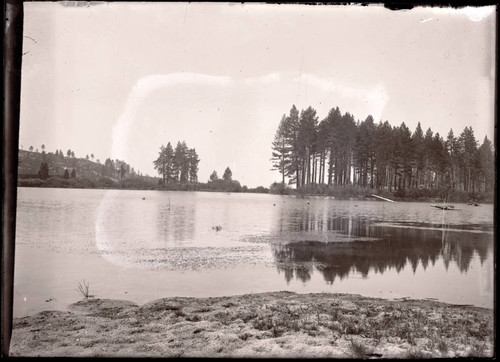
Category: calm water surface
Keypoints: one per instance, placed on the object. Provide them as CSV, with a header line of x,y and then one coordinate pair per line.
x,y
145,245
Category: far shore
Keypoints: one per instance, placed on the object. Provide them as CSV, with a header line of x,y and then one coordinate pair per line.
x,y
265,325
261,190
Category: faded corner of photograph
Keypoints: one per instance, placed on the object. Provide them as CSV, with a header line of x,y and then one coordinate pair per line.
x,y
225,180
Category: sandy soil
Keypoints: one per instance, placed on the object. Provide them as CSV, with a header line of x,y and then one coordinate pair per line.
x,y
281,324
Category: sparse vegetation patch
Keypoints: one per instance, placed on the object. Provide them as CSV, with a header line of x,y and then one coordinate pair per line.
x,y
280,324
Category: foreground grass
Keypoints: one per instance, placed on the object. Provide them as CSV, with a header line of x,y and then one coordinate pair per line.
x,y
281,324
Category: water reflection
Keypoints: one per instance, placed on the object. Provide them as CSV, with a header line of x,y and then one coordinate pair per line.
x,y
176,223
319,220
390,247
154,244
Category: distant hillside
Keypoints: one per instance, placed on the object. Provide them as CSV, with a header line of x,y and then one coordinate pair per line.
x,y
29,164
110,175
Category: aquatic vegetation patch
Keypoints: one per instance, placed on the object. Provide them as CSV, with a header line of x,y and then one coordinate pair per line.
x,y
198,258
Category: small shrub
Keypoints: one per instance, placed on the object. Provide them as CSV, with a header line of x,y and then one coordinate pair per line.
x,y
223,317
400,193
442,346
245,317
352,329
262,323
377,335
202,310
276,330
179,313
477,350
193,318
358,350
279,189
244,336
84,290
415,354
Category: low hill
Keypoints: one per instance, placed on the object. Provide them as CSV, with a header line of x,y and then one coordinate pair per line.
x,y
29,164
87,173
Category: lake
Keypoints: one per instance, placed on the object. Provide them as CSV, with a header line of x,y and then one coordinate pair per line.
x,y
145,245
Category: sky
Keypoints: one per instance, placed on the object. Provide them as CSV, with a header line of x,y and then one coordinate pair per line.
x,y
119,80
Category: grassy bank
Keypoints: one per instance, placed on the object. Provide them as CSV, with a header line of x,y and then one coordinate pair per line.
x,y
411,194
280,324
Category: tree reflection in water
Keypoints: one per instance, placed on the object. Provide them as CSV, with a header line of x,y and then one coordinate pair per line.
x,y
176,223
395,246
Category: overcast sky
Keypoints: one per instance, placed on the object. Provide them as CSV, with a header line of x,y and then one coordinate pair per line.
x,y
120,79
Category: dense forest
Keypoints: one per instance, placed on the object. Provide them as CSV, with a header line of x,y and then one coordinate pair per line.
x,y
340,151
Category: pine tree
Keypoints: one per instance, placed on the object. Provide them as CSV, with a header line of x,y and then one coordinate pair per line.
x,y
43,172
383,152
453,152
281,149
184,165
417,140
169,159
228,175
468,146
180,171
214,176
364,152
193,165
486,162
308,122
122,170
160,164
293,168
405,152
333,141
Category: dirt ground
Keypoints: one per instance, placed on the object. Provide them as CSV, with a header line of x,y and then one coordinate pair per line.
x,y
267,325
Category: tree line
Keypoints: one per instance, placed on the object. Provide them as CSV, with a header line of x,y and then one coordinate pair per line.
x,y
338,150
226,183
179,171
177,166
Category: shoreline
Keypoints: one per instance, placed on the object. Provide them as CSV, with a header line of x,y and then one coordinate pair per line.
x,y
273,324
295,194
